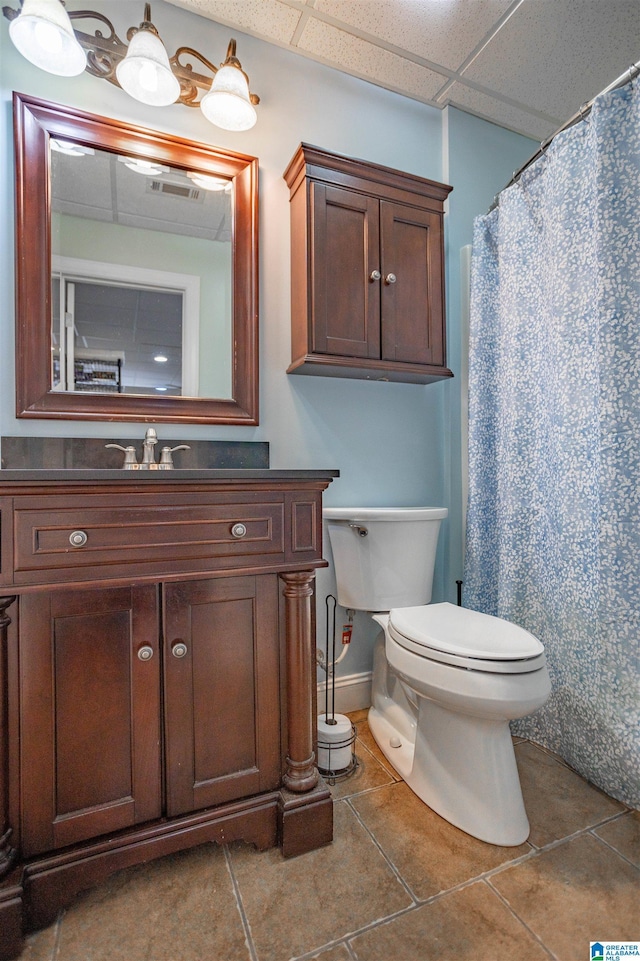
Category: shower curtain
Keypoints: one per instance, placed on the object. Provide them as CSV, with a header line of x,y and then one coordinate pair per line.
x,y
553,522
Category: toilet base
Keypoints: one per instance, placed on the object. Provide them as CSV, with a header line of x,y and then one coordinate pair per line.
x,y
462,767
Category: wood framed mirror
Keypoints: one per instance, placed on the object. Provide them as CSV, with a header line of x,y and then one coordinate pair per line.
x,y
154,237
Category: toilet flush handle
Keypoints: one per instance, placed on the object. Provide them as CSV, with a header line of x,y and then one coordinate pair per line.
x,y
362,531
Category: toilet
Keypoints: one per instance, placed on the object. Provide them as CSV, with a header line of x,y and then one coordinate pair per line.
x,y
446,680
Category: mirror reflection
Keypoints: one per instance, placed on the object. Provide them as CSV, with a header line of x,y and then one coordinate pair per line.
x,y
137,272
141,258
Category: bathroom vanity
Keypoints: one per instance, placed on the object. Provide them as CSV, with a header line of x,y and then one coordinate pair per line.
x,y
157,673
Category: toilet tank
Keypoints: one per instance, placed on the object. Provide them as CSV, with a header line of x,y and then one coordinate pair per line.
x,y
384,556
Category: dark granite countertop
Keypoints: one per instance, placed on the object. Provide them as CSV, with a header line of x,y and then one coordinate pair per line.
x,y
159,477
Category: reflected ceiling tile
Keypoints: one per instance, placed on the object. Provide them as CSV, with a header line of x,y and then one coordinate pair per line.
x,y
269,19
363,59
554,55
443,32
502,113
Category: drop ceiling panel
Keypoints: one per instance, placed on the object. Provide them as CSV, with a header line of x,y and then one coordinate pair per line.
x,y
525,64
442,32
554,55
268,19
502,113
69,176
363,59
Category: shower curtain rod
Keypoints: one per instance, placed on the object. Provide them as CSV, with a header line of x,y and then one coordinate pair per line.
x,y
630,74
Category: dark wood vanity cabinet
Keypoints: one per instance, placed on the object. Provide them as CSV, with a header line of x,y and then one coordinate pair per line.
x,y
157,680
93,665
367,270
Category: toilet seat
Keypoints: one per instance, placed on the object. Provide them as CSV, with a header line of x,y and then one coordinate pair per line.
x,y
466,639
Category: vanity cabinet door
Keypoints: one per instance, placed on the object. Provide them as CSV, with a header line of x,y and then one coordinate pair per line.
x,y
222,721
90,714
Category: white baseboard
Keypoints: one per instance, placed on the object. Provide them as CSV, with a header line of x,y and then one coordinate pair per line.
x,y
352,693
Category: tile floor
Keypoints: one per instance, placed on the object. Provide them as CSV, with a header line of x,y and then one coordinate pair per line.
x,y
397,884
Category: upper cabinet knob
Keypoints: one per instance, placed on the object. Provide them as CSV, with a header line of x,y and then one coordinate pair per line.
x,y
390,279
78,538
375,275
238,530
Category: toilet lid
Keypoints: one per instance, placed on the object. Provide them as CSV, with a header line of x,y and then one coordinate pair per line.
x,y
465,633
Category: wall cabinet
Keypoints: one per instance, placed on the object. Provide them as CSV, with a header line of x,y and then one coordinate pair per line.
x,y
156,680
367,270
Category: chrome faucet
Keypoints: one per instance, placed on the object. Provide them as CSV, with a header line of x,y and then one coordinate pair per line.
x,y
148,461
148,455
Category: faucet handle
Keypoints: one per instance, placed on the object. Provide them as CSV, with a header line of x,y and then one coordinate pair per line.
x,y
166,460
130,462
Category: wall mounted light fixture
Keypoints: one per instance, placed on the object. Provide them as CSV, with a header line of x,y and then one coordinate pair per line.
x,y
43,32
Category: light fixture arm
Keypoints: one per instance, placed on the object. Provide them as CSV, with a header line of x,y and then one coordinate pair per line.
x,y
187,77
106,50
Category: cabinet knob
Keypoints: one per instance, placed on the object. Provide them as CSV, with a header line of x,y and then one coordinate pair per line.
x,y
375,275
78,538
390,279
238,530
145,653
178,649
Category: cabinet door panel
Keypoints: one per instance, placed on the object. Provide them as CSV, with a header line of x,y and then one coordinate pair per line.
x,y
346,302
90,753
221,696
412,306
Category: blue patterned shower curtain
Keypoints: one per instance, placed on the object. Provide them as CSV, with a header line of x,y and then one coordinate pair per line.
x,y
553,524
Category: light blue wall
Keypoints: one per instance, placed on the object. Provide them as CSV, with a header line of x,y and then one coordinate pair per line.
x,y
393,443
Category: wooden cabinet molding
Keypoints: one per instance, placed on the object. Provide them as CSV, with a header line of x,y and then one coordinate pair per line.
x,y
367,270
162,681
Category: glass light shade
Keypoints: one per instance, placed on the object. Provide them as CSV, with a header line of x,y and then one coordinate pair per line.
x,y
145,73
43,34
208,183
70,149
227,104
148,168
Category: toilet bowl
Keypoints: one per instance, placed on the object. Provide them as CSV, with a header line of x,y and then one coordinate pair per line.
x,y
446,680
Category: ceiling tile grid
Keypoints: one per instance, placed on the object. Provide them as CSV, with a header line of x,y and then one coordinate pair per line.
x,y
266,19
363,59
442,32
528,65
554,55
473,101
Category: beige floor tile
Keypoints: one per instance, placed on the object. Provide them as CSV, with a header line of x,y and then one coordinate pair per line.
x,y
339,953
40,946
558,801
574,893
623,834
462,926
173,908
297,905
368,774
430,854
357,717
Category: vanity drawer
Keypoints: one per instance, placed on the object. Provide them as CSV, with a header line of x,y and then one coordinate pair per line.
x,y
73,543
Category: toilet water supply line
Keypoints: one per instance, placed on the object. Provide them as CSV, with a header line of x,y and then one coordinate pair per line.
x,y
323,658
